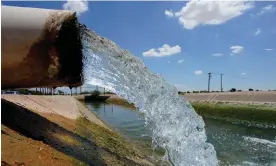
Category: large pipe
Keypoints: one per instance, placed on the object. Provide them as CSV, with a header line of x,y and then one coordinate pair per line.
x,y
40,47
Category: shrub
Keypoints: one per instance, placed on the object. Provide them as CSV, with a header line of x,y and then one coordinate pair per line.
x,y
233,90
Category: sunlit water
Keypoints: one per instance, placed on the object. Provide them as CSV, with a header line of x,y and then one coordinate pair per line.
x,y
235,144
174,124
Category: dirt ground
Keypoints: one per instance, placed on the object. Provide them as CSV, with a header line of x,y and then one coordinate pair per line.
x,y
18,149
260,97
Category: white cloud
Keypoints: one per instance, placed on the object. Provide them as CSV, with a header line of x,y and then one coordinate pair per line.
x,y
258,31
165,50
198,72
243,74
269,49
169,13
218,54
267,8
180,61
236,49
202,12
79,6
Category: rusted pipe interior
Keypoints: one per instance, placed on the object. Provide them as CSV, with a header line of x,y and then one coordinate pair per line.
x,y
54,59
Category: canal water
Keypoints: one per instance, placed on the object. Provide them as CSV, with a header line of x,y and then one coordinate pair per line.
x,y
235,144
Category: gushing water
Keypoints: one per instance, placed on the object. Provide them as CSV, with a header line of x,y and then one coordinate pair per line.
x,y
175,125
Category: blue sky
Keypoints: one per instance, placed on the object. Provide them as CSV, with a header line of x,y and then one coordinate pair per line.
x,y
237,39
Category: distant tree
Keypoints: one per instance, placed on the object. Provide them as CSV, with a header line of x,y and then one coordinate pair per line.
x,y
250,89
108,92
181,93
188,91
23,91
239,90
95,93
85,92
26,91
257,90
233,90
60,92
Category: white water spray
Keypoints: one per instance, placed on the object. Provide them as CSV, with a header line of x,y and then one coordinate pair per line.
x,y
175,125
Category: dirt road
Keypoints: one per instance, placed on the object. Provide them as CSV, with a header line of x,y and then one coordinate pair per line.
x,y
236,97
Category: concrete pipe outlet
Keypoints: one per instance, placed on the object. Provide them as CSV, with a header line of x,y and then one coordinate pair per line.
x,y
40,47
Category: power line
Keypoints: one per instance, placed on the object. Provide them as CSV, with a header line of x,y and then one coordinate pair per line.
x,y
237,76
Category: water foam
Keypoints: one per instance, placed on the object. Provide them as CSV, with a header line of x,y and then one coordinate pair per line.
x,y
260,141
175,125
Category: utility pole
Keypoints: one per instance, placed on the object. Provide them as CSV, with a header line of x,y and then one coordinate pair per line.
x,y
209,78
221,82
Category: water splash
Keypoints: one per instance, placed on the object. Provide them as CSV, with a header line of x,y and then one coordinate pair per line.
x,y
261,141
175,125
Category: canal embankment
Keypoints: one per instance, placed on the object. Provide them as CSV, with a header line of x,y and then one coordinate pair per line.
x,y
257,107
60,130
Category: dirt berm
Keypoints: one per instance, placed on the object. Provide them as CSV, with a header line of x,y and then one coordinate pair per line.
x,y
59,130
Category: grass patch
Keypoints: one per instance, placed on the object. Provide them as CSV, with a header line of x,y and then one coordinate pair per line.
x,y
78,163
102,137
248,112
67,139
121,102
114,149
